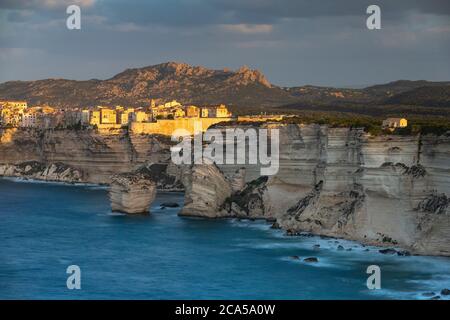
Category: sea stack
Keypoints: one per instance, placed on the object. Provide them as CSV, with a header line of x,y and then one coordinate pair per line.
x,y
206,190
131,193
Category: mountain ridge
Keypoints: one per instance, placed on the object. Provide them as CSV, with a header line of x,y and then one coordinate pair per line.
x,y
242,88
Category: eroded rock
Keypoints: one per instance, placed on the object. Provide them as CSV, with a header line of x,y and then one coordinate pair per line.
x,y
131,193
206,189
250,202
40,171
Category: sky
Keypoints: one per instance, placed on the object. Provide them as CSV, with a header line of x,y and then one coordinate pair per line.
x,y
293,42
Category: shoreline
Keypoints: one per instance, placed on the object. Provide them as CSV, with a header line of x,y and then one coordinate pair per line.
x,y
399,251
67,183
325,248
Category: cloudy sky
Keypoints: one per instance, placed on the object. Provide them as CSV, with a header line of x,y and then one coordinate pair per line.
x,y
293,42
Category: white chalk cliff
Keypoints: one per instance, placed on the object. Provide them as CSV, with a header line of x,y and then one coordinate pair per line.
x,y
389,190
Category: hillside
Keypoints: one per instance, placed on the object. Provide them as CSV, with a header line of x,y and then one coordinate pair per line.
x,y
435,96
397,87
189,84
244,90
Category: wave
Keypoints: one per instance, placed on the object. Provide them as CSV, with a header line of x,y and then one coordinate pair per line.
x,y
252,224
92,186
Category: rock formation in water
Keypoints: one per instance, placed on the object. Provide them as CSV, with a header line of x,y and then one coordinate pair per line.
x,y
390,190
206,189
41,171
132,193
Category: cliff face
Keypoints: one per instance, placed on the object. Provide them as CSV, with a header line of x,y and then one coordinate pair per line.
x,y
97,156
391,190
341,182
131,193
41,171
206,190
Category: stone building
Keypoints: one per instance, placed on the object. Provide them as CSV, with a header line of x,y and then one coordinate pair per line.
x,y
108,116
11,112
192,111
220,111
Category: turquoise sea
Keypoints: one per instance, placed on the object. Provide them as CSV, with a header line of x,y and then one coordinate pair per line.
x,y
45,227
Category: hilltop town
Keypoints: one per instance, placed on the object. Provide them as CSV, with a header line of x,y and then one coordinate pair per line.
x,y
161,119
152,119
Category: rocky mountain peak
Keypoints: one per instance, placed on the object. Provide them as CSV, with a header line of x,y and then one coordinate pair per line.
x,y
245,75
165,81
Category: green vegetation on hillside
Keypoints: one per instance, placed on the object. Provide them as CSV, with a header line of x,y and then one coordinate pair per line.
x,y
372,125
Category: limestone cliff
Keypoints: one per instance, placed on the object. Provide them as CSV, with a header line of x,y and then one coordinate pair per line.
x,y
206,189
41,171
95,155
131,193
341,182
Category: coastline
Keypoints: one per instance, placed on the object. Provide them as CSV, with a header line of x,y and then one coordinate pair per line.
x,y
270,222
253,236
106,186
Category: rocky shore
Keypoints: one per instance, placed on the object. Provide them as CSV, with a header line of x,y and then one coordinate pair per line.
x,y
339,182
41,171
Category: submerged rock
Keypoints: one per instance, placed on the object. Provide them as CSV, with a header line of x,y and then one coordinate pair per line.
x,y
291,233
131,193
311,259
428,294
275,225
169,205
445,292
387,251
403,253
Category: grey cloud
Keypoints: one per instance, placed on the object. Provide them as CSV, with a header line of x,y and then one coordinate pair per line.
x,y
292,42
186,13
192,12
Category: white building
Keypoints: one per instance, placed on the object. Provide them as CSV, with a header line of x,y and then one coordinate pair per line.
x,y
29,120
